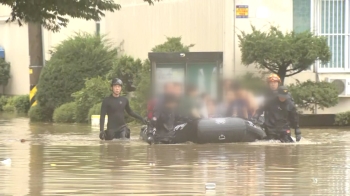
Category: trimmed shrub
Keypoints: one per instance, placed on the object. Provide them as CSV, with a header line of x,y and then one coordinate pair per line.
x,y
342,119
38,113
65,113
3,102
95,110
80,57
10,105
127,69
22,103
309,93
5,68
94,91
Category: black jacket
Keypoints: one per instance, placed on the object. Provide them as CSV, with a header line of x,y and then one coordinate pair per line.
x,y
280,115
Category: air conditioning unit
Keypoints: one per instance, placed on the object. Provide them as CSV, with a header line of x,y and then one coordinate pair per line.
x,y
342,84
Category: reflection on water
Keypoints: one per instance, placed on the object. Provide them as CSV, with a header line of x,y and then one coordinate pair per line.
x,y
70,159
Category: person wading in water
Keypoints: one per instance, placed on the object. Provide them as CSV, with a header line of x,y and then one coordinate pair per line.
x,y
114,106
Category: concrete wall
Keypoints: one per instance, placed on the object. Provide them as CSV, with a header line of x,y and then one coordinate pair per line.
x,y
15,41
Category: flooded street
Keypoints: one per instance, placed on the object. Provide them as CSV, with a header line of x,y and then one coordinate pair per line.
x,y
70,159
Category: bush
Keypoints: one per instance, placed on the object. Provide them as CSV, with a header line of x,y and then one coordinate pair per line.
x,y
10,105
127,69
3,102
80,57
38,113
22,103
309,93
65,113
4,72
342,119
94,91
95,110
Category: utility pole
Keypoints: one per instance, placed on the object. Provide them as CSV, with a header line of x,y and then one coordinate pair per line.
x,y
36,57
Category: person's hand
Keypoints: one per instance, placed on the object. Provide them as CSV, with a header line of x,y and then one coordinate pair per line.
x,y
102,135
144,121
297,134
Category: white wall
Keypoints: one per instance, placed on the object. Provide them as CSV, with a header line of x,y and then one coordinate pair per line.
x,y
15,41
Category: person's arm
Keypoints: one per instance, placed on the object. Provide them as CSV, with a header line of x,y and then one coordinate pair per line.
x,y
293,116
132,113
294,121
103,114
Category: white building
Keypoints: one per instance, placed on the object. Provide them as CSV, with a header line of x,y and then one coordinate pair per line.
x,y
212,25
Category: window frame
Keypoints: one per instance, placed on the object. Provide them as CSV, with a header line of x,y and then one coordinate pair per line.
x,y
316,28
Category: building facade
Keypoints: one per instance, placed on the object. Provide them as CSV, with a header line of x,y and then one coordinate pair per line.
x,y
212,25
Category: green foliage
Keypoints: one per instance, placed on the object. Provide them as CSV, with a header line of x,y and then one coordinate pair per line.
x,y
65,113
22,103
254,83
127,69
19,104
94,91
342,119
54,14
4,72
309,93
38,113
283,54
10,105
95,110
80,57
173,44
142,94
3,102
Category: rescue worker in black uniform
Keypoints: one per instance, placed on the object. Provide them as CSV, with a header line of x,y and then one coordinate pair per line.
x,y
280,115
273,81
114,107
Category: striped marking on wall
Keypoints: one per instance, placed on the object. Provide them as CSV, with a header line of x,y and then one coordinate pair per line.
x,y
32,97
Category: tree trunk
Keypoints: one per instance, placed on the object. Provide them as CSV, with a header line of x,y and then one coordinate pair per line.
x,y
282,72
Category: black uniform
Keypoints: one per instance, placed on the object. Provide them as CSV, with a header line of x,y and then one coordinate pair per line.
x,y
114,107
280,117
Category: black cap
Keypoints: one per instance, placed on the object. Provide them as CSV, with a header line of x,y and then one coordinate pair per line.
x,y
116,81
282,92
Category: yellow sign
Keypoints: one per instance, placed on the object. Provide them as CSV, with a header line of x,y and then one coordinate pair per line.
x,y
30,71
241,11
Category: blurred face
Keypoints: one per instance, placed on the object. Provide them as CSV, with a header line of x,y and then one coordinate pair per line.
x,y
230,95
282,99
273,85
116,89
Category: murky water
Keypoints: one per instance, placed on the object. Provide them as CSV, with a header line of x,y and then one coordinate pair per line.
x,y
70,159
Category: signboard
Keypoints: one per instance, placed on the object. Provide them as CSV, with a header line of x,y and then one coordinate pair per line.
x,y
241,11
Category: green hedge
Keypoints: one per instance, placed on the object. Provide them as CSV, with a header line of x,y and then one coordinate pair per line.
x,y
94,91
342,119
38,113
18,104
80,57
95,110
65,113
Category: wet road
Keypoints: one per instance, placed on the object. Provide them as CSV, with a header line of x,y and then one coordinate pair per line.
x,y
70,159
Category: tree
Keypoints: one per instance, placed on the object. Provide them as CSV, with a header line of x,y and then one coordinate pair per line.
x,y
127,69
94,91
80,57
53,14
309,94
143,83
4,73
283,54
173,44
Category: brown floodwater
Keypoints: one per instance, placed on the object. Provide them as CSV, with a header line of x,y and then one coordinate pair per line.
x,y
70,159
